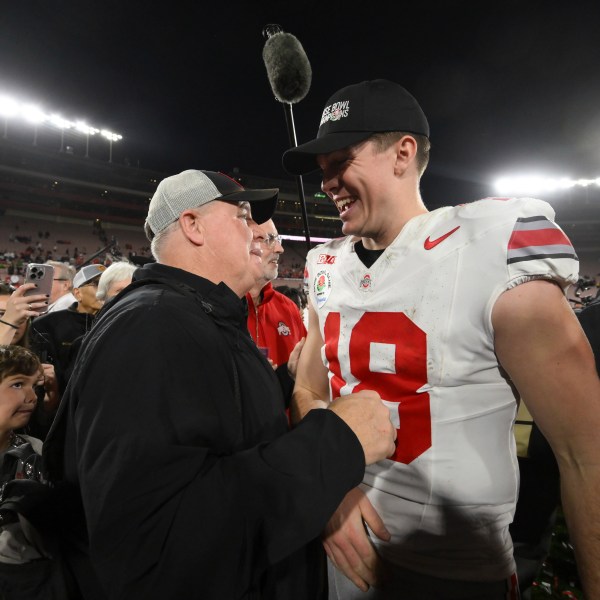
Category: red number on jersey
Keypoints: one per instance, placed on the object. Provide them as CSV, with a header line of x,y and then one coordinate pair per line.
x,y
410,362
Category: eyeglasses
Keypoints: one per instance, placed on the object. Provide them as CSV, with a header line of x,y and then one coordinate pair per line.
x,y
90,284
60,279
270,240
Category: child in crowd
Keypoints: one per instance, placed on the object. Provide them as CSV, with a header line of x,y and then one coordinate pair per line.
x,y
26,570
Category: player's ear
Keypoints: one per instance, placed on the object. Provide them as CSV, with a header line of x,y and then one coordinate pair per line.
x,y
406,150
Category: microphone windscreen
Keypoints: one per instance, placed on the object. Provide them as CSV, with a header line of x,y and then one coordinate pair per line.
x,y
288,68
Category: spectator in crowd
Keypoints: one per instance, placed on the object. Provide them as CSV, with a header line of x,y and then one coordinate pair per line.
x,y
450,315
61,296
16,312
52,335
29,570
20,373
173,432
273,320
294,294
298,297
115,279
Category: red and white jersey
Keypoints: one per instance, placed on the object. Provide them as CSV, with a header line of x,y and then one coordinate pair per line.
x,y
416,327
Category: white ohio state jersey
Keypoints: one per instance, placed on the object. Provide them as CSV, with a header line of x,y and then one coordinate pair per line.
x,y
416,327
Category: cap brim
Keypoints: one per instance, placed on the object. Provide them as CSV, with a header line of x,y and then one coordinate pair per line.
x,y
86,281
303,158
262,202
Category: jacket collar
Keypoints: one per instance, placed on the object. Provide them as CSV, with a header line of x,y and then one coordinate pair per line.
x,y
219,299
266,294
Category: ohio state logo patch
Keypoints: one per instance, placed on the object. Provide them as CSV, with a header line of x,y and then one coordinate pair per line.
x,y
283,329
365,283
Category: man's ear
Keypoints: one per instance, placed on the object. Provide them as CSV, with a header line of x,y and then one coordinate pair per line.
x,y
77,294
192,227
406,150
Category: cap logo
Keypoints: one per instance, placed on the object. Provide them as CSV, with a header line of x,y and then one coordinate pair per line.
x,y
335,111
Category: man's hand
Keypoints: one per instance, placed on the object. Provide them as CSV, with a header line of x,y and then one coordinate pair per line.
x,y
51,395
346,541
369,418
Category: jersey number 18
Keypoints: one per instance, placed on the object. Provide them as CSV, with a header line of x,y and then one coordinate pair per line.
x,y
409,374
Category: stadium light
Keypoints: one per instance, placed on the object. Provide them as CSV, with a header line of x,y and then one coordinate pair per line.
x,y
537,184
84,128
8,106
11,108
8,109
301,238
34,115
111,137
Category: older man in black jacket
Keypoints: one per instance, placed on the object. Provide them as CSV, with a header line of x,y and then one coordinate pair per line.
x,y
173,431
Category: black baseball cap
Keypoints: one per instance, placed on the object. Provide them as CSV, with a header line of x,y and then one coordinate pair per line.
x,y
353,114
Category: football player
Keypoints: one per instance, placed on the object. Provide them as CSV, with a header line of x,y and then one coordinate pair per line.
x,y
451,316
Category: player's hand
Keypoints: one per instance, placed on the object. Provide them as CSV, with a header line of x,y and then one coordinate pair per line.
x,y
369,418
292,364
346,541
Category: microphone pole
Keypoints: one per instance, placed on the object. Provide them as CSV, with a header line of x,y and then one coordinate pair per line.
x,y
289,119
268,32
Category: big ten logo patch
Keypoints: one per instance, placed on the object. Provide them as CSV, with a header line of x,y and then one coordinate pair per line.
x,y
325,259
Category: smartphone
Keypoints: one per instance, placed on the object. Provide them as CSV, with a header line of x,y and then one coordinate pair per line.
x,y
42,276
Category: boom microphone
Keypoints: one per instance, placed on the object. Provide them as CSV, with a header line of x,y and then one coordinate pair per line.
x,y
290,75
287,65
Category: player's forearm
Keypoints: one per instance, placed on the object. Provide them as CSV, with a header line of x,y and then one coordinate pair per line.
x,y
303,401
580,488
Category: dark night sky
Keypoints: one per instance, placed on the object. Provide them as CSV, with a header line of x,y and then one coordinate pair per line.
x,y
506,85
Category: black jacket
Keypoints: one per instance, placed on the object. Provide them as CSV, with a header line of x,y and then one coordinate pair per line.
x,y
52,336
173,429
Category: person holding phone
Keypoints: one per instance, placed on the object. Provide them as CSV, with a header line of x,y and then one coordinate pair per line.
x,y
53,334
16,309
16,312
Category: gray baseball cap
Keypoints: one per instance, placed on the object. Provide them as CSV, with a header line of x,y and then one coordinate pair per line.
x,y
87,274
192,188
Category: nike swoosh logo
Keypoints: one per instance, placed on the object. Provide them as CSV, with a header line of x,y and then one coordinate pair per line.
x,y
429,243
